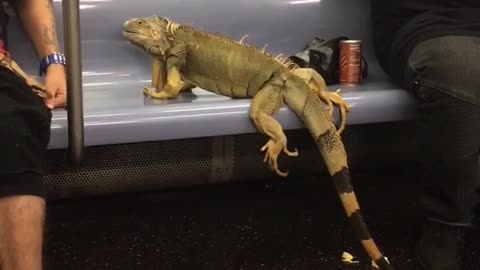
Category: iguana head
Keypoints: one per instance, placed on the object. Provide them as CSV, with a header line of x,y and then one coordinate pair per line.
x,y
149,33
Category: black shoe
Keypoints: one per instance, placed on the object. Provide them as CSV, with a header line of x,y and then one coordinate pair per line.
x,y
439,247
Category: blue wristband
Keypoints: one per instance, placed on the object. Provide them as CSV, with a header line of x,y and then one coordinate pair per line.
x,y
54,58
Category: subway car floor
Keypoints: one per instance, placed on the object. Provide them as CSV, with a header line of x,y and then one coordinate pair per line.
x,y
291,224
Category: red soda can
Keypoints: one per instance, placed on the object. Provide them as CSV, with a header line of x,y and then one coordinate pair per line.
x,y
350,71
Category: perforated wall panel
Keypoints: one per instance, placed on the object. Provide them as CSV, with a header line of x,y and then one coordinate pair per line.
x,y
130,167
181,163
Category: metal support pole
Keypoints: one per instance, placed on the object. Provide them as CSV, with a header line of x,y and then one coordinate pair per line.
x,y
71,23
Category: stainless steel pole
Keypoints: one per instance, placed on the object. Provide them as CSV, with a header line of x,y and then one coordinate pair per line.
x,y
71,23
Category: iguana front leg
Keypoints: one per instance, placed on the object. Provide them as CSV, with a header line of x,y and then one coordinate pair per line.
x,y
264,104
318,86
170,86
158,73
158,77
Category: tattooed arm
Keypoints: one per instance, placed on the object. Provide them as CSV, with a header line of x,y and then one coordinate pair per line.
x,y
38,20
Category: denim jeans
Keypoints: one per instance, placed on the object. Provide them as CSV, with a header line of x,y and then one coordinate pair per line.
x,y
444,75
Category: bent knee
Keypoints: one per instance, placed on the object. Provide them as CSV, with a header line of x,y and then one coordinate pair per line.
x,y
447,58
448,126
446,63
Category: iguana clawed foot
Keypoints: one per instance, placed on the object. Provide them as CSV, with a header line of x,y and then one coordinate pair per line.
x,y
154,93
334,99
149,91
273,150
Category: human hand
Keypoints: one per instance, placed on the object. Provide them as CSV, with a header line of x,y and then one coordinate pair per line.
x,y
56,84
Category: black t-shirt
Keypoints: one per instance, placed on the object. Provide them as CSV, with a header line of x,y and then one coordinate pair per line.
x,y
3,23
398,25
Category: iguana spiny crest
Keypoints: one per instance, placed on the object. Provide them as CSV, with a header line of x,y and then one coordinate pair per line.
x,y
156,35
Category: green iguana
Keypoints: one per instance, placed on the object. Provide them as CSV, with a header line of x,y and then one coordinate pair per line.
x,y
185,57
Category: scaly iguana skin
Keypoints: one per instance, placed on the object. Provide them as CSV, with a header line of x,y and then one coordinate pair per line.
x,y
186,57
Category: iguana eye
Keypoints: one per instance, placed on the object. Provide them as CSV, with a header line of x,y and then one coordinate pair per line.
x,y
140,22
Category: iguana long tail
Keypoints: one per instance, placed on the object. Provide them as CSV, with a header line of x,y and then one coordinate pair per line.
x,y
310,108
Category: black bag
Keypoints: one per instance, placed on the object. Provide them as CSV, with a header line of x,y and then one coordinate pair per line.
x,y
323,56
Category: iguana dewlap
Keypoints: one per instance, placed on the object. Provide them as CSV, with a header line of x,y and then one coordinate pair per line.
x,y
187,58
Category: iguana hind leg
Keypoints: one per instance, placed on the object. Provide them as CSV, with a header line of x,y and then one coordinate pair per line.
x,y
264,104
318,86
